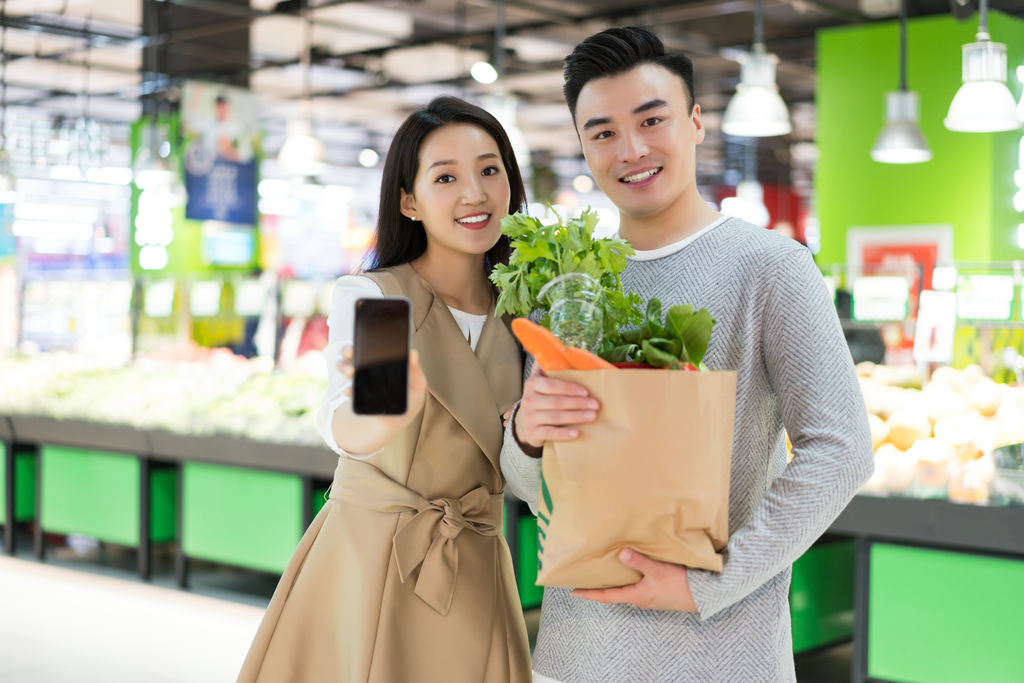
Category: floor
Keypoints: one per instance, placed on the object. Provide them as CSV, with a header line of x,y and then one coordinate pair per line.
x,y
85,617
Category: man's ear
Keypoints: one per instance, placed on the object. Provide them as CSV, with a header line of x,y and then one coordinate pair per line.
x,y
698,125
407,204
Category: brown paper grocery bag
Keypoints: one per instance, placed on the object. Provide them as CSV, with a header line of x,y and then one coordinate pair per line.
x,y
651,473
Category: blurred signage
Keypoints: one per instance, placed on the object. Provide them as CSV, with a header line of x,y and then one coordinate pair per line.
x,y
984,297
881,297
8,243
936,327
221,134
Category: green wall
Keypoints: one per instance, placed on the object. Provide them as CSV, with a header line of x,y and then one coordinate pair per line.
x,y
969,181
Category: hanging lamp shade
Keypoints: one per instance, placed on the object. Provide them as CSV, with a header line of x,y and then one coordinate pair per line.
x,y
757,109
983,104
302,154
901,141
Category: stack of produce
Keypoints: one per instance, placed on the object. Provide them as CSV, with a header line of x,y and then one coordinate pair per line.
x,y
935,439
187,390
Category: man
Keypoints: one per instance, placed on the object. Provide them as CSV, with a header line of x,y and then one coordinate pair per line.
x,y
634,111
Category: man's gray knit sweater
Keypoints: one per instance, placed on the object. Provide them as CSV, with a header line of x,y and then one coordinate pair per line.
x,y
778,329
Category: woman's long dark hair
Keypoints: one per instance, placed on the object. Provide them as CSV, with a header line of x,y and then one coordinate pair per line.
x,y
402,240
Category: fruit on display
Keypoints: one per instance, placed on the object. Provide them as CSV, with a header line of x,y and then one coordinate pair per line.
x,y
186,389
934,439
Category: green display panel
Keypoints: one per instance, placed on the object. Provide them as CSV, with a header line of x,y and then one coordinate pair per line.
x,y
24,483
97,494
244,517
821,595
530,594
319,500
945,617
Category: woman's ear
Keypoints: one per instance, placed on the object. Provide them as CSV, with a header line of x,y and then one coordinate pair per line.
x,y
407,205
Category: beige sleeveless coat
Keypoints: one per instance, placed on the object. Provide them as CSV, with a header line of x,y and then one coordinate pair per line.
x,y
404,576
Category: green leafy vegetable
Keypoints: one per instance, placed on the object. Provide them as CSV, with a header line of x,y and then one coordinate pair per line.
x,y
681,340
540,253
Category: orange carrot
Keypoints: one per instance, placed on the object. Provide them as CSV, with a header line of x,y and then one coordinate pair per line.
x,y
582,359
542,344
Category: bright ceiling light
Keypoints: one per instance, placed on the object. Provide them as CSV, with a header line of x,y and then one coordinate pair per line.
x,y
583,184
748,204
483,72
368,158
301,153
901,141
1020,106
757,110
983,104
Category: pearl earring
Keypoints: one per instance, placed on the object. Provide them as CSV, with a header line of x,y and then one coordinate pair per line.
x,y
414,218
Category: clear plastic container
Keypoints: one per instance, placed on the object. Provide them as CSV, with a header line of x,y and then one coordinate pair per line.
x,y
576,309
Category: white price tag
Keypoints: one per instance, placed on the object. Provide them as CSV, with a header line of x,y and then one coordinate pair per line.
x,y
936,327
881,297
204,299
984,297
159,300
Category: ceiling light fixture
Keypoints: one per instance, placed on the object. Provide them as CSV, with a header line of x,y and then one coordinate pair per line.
x,y
302,153
983,104
483,72
901,141
757,110
368,158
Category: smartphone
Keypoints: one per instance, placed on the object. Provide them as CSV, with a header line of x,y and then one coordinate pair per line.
x,y
382,340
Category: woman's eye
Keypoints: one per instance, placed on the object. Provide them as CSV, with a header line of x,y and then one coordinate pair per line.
x,y
446,178
491,170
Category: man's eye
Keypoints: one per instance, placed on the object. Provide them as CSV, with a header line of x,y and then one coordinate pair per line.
x,y
446,178
654,120
603,134
491,170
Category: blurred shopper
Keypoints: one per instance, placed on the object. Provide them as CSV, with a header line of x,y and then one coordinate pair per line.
x,y
405,576
634,110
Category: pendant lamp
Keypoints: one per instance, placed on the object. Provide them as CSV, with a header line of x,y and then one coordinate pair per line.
x,y
901,141
302,154
983,104
757,110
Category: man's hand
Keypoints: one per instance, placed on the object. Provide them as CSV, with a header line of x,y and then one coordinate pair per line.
x,y
665,586
548,408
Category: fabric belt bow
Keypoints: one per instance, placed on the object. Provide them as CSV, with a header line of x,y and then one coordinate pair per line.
x,y
428,540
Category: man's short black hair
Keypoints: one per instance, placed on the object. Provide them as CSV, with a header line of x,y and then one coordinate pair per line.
x,y
614,52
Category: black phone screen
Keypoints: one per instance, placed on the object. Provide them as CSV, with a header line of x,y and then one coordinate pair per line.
x,y
381,341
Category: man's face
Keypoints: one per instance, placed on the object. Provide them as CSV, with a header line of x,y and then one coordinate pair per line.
x,y
639,138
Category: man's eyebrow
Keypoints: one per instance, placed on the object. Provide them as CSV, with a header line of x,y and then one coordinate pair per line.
x,y
646,106
451,162
597,121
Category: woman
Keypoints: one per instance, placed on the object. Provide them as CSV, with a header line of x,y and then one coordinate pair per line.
x,y
405,575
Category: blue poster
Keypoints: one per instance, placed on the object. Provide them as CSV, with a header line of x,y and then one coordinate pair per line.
x,y
225,192
221,135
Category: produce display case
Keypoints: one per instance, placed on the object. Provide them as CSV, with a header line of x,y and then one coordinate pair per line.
x,y
145,453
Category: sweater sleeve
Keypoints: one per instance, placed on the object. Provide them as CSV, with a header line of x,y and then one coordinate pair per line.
x,y
521,471
810,370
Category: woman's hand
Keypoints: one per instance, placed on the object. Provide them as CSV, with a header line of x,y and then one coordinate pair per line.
x,y
363,434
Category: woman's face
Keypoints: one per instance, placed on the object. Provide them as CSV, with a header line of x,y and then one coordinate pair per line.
x,y
461,191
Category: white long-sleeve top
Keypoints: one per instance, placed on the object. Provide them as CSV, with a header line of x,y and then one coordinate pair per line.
x,y
341,322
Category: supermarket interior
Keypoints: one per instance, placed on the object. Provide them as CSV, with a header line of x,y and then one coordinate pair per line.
x,y
182,182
